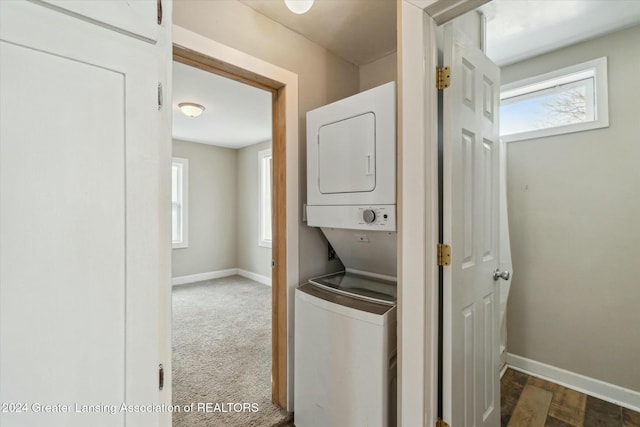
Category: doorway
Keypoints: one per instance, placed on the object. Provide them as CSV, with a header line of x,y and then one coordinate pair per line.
x,y
279,272
221,263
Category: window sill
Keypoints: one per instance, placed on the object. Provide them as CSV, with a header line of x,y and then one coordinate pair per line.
x,y
560,130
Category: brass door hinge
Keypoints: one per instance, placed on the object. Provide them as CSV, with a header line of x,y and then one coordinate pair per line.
x,y
443,77
441,423
160,376
444,254
160,96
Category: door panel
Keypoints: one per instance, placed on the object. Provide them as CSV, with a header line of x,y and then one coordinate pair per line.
x,y
468,169
63,288
488,215
137,18
80,214
468,350
470,225
488,363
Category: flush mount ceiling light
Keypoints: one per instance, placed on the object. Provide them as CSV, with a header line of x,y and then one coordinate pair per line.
x,y
299,6
191,109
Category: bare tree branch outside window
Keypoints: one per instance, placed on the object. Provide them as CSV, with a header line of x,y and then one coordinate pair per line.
x,y
565,108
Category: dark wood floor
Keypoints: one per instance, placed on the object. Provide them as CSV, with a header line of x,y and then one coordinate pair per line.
x,y
528,401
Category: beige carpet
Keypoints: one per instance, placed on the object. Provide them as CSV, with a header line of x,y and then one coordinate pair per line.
x,y
222,354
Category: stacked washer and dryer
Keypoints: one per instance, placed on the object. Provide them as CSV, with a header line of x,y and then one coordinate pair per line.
x,y
345,323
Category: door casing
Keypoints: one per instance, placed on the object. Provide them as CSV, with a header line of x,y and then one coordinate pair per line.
x,y
418,205
197,51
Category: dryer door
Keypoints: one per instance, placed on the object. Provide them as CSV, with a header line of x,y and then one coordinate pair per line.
x,y
347,155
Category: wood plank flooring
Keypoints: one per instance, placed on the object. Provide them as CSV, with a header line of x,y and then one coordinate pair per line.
x,y
528,401
532,407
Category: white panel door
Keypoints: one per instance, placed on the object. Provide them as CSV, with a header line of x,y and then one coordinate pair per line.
x,y
79,221
470,226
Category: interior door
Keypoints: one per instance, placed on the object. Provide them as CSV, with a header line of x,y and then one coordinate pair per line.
x,y
80,215
470,226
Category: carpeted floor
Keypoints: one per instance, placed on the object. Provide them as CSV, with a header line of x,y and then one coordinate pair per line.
x,y
222,354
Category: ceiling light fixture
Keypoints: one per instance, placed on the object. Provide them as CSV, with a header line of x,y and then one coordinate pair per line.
x,y
299,6
191,109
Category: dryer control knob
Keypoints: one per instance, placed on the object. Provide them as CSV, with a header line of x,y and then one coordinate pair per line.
x,y
369,216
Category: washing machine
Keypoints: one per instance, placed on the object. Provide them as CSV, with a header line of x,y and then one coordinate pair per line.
x,y
345,352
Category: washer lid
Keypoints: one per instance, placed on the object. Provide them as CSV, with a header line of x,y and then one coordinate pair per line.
x,y
359,286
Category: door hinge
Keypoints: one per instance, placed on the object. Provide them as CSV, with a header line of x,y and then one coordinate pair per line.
x,y
159,12
443,77
161,376
441,423
160,96
444,254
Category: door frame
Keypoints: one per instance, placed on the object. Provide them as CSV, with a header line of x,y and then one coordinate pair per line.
x,y
198,51
418,205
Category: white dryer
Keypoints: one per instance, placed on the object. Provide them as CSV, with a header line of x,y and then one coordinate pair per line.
x,y
351,162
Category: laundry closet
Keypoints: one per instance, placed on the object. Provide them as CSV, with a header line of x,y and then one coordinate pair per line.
x,y
345,322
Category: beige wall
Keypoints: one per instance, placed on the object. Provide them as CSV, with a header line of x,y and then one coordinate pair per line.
x,y
574,205
322,78
378,72
251,256
212,210
223,210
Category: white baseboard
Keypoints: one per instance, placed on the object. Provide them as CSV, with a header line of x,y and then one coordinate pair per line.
x,y
587,385
254,276
183,280
503,370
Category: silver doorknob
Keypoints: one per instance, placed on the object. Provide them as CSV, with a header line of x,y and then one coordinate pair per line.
x,y
501,275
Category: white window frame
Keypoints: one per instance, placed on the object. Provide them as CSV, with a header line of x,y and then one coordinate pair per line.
x,y
263,157
596,68
183,186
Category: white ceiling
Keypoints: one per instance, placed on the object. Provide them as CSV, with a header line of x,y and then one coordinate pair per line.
x,y
362,31
236,114
520,29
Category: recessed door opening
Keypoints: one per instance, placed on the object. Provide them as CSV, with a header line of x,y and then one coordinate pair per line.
x,y
222,215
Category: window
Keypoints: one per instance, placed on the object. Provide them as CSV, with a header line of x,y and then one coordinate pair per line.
x,y
179,213
265,172
572,99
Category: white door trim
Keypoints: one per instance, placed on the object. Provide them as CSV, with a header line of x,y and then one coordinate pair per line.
x,y
211,48
417,219
418,208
